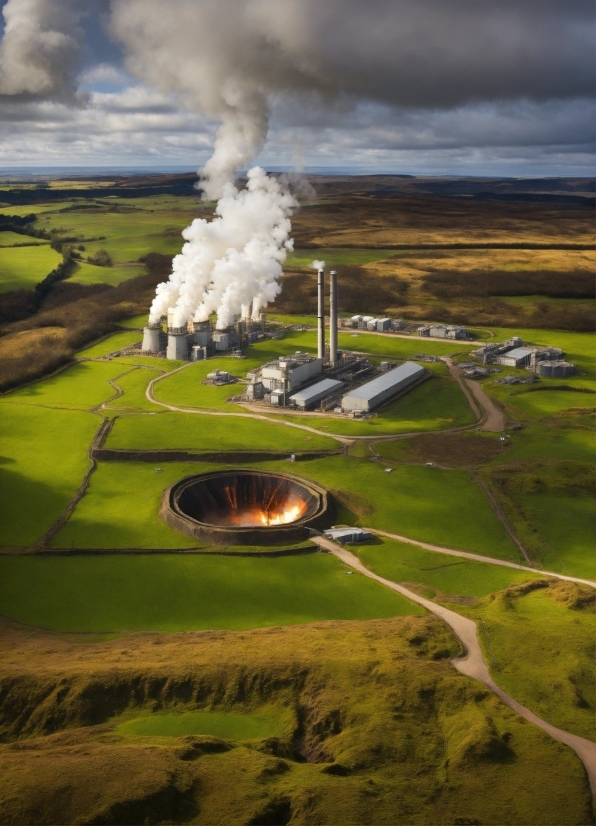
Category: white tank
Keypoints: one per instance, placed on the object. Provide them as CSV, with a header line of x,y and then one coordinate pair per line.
x,y
151,342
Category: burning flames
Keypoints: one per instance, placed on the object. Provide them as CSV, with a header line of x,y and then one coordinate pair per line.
x,y
258,516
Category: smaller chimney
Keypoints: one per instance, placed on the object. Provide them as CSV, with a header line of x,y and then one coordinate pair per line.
x,y
333,319
321,314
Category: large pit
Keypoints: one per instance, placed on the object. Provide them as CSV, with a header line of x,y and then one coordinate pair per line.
x,y
245,507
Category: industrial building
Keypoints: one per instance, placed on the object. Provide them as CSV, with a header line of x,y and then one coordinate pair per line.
x,y
528,356
450,331
311,396
345,535
372,394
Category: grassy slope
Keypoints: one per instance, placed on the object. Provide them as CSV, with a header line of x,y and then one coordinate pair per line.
x,y
443,574
8,239
134,385
83,385
109,345
543,652
184,593
421,743
537,441
44,458
91,274
210,433
24,267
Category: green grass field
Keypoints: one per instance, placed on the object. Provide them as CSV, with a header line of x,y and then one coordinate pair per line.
x,y
543,654
554,443
444,575
540,404
12,239
187,431
109,345
187,592
91,274
83,386
226,725
24,267
563,526
134,385
43,460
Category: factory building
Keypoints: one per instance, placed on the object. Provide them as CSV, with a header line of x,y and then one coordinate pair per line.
x,y
345,535
450,331
374,393
528,356
311,396
290,372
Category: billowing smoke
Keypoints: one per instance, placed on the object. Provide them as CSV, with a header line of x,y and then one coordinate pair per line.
x,y
39,49
231,265
317,265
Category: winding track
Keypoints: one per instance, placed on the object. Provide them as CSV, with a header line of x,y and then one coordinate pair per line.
x,y
472,663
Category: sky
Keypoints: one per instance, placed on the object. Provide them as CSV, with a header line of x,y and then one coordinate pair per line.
x,y
465,87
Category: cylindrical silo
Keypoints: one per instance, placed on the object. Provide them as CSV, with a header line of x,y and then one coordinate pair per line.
x,y
151,342
177,344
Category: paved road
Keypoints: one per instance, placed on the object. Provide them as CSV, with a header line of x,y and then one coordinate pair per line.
x,y
472,663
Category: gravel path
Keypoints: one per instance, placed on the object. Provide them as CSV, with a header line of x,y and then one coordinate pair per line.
x,y
472,663
479,558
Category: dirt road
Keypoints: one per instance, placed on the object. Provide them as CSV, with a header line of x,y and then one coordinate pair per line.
x,y
472,663
493,420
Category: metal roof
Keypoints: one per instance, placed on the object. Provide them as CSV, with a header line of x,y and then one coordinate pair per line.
x,y
386,381
315,390
518,353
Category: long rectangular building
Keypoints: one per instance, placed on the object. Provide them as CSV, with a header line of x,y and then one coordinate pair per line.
x,y
316,393
379,390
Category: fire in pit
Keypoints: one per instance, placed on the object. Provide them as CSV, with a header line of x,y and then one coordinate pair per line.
x,y
245,507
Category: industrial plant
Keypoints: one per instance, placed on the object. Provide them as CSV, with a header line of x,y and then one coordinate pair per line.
x,y
546,362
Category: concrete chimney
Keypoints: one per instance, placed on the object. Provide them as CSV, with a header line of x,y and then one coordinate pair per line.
x,y
333,319
321,314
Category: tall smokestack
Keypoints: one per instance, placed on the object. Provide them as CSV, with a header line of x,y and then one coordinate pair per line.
x,y
333,319
321,314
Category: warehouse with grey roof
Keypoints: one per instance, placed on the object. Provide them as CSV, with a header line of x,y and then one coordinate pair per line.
x,y
372,394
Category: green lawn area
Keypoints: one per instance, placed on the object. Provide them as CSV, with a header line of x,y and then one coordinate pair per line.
x,y
224,724
333,257
563,524
535,441
129,235
543,654
24,267
539,404
187,431
91,274
444,574
9,239
187,592
43,460
137,321
134,385
84,386
110,345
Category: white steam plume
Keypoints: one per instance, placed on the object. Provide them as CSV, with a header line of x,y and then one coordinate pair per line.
x,y
39,49
231,264
317,265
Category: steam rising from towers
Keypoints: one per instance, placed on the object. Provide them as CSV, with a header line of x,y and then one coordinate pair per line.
x,y
231,264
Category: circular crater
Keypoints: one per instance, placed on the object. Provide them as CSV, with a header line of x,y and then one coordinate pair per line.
x,y
242,507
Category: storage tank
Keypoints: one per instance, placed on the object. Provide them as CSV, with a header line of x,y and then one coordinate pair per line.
x,y
177,344
201,331
151,338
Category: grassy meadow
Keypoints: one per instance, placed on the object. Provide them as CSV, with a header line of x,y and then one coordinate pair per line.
x,y
210,433
220,724
24,267
188,592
